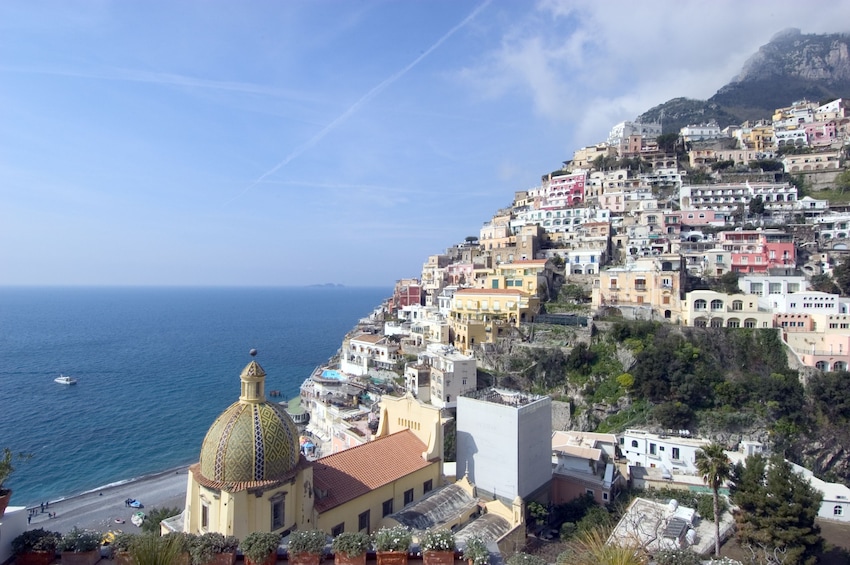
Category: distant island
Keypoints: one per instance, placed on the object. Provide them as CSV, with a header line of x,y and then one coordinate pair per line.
x,y
327,285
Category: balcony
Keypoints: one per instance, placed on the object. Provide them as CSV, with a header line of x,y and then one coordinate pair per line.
x,y
640,287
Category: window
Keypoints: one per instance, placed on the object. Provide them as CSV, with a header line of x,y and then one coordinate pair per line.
x,y
427,486
652,449
408,496
277,509
634,443
338,529
205,516
700,304
717,305
604,496
589,492
387,507
838,510
676,453
737,305
363,521
775,288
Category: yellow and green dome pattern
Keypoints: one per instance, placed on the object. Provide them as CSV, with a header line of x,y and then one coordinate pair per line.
x,y
250,442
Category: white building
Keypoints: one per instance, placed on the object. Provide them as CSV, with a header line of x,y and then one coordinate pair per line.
x,y
836,497
764,285
365,351
623,130
504,443
777,197
675,454
701,132
807,302
452,374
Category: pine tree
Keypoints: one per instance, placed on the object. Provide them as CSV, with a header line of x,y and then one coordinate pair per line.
x,y
778,510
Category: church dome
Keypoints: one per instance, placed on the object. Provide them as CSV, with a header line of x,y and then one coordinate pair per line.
x,y
253,441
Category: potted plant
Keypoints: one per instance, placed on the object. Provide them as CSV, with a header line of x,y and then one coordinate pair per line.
x,y
151,549
475,552
305,547
260,548
80,547
122,544
350,548
6,469
214,549
35,547
392,545
181,542
438,547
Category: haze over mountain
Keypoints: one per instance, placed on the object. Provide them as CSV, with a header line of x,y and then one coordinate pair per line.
x,y
792,66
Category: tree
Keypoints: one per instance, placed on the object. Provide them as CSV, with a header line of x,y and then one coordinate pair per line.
x,y
155,516
778,510
842,182
715,468
757,206
841,276
668,142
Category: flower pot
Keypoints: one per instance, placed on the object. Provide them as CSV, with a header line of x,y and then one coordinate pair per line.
x,y
391,557
5,497
228,558
304,558
122,558
438,557
341,558
80,557
36,558
270,560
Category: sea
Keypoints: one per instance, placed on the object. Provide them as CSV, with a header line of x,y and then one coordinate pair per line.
x,y
155,367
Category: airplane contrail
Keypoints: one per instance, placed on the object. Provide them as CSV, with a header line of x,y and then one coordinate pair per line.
x,y
363,100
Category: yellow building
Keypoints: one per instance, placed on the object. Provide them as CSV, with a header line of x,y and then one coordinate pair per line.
x,y
646,288
528,276
483,315
252,476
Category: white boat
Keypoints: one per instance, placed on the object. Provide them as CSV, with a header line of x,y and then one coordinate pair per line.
x,y
63,380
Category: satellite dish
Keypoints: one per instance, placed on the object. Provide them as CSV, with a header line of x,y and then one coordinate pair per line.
x,y
253,353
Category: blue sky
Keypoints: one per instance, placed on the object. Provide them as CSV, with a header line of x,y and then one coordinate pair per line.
x,y
302,142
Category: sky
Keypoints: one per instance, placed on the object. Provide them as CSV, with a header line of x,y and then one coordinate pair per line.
x,y
280,143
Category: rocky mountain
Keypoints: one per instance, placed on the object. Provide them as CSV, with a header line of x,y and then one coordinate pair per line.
x,y
790,67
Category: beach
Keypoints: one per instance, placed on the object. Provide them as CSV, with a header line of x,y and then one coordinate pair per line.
x,y
98,510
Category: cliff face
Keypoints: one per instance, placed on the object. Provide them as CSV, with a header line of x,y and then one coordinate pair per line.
x,y
792,66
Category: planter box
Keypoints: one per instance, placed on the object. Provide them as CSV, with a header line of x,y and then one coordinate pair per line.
x,y
391,557
122,558
36,558
4,501
270,560
304,558
438,558
80,557
222,559
343,559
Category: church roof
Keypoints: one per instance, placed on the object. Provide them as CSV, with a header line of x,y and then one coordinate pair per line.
x,y
439,507
253,442
348,474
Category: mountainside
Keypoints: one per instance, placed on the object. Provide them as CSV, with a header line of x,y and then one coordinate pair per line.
x,y
790,67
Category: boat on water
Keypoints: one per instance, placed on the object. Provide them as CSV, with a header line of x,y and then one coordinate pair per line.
x,y
64,380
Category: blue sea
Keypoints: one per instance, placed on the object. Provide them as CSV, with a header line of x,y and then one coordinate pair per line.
x,y
155,366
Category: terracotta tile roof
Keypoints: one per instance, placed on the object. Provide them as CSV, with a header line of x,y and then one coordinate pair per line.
x,y
348,474
505,291
368,338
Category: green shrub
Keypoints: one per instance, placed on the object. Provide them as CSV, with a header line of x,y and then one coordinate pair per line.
x,y
351,544
525,559
78,540
38,539
258,545
307,541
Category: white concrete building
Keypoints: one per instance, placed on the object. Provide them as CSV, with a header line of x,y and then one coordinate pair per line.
x,y
836,497
504,443
365,351
623,130
701,132
807,302
707,308
452,374
777,197
764,285
675,454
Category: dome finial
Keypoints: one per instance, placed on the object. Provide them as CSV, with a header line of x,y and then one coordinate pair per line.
x,y
253,353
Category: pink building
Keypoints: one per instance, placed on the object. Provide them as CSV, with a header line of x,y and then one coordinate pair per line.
x,y
407,292
563,188
755,251
820,134
460,273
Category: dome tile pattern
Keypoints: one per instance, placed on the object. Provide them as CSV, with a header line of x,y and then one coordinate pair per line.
x,y
250,442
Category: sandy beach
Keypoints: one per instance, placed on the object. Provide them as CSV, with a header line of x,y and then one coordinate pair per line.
x,y
98,510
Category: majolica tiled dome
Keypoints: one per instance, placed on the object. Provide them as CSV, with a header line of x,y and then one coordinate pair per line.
x,y
253,440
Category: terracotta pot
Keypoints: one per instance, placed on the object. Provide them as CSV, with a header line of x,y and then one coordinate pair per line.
x,y
5,497
80,557
270,560
184,559
36,558
391,557
228,558
438,558
122,558
304,558
341,558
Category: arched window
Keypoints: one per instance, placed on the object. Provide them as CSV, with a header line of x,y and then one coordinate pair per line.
x,y
733,323
839,366
700,304
749,323
822,365
717,305
737,305
634,443
838,510
716,323
700,323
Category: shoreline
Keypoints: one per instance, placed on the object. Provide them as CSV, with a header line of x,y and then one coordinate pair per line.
x,y
98,509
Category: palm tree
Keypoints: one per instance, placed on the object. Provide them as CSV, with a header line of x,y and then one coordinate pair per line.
x,y
715,468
